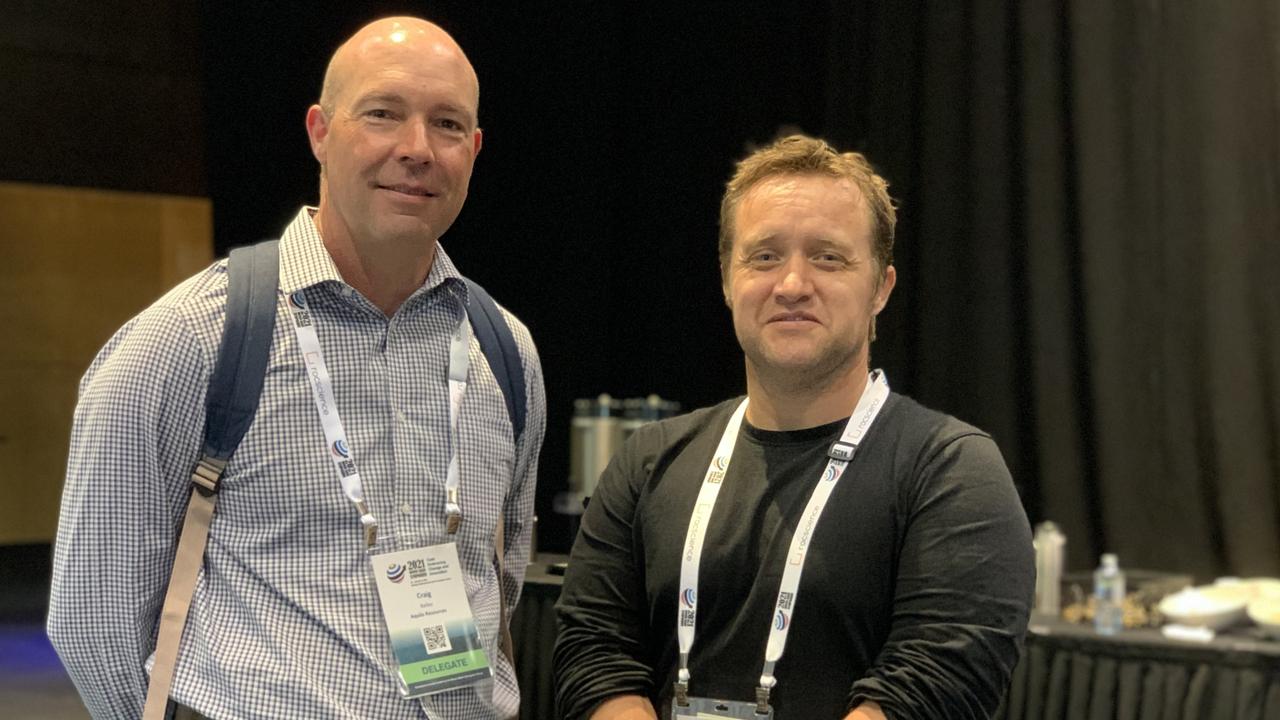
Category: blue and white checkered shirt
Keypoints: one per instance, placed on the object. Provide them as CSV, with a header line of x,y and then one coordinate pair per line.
x,y
285,621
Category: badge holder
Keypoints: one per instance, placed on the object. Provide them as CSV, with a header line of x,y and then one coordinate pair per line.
x,y
710,709
433,633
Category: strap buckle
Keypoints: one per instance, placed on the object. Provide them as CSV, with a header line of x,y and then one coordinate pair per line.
x,y
207,473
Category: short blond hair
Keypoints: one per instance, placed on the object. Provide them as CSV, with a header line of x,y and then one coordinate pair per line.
x,y
804,155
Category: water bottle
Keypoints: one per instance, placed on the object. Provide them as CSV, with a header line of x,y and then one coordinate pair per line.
x,y
1049,543
1108,595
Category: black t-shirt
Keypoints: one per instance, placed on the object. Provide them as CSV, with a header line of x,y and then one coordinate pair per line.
x,y
915,591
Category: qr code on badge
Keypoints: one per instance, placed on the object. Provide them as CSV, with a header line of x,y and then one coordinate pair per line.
x,y
436,639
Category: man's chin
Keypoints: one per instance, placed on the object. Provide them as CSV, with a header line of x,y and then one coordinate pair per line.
x,y
795,366
795,357
404,228
800,367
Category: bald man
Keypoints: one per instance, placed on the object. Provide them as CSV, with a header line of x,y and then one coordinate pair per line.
x,y
296,605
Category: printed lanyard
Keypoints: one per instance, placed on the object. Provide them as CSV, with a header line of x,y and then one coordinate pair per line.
x,y
340,450
839,455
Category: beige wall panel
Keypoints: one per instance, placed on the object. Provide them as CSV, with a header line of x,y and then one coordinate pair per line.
x,y
75,264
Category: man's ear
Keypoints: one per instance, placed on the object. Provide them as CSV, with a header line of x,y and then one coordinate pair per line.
x,y
317,131
478,140
887,282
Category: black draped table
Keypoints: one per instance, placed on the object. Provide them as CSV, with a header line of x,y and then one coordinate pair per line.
x,y
1068,672
533,633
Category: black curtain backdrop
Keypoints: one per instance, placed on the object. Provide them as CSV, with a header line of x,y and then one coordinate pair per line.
x,y
1090,226
1089,220
1170,138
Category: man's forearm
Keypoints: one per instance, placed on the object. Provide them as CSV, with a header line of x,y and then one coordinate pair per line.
x,y
625,707
98,655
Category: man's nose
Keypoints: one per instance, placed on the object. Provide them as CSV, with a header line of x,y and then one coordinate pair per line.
x,y
795,284
415,143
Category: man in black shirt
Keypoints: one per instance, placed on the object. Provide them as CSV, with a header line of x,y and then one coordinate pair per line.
x,y
824,548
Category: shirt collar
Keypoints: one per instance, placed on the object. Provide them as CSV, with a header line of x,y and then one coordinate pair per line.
x,y
304,262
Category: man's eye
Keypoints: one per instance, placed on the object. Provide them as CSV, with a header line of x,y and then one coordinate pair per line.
x,y
379,114
450,124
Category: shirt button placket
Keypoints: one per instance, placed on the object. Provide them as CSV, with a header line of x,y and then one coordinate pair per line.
x,y
401,432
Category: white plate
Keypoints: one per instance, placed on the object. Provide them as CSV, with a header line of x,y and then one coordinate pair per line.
x,y
1211,606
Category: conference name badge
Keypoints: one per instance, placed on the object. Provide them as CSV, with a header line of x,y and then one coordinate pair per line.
x,y
433,633
700,708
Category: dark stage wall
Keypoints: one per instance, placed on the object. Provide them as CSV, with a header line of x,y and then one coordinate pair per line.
x,y
1089,206
1090,196
609,133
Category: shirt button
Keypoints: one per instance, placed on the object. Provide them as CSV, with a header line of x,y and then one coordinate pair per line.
x,y
400,416
406,508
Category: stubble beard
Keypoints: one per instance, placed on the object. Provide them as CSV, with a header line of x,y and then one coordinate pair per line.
x,y
831,362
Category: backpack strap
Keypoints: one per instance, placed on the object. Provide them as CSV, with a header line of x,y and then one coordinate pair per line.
x,y
499,348
236,386
232,400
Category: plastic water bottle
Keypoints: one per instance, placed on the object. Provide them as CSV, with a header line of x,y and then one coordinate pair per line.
x,y
1108,595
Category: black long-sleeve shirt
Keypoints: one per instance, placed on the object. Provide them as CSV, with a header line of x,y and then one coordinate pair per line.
x,y
915,592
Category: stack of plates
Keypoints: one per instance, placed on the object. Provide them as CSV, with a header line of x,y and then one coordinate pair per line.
x,y
1226,603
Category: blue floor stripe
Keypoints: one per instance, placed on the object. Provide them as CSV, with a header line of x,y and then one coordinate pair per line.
x,y
25,649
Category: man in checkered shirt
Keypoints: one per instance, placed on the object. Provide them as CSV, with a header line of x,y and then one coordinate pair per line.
x,y
285,620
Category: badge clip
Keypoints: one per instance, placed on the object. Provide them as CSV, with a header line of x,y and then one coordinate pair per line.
x,y
762,701
452,512
368,523
682,693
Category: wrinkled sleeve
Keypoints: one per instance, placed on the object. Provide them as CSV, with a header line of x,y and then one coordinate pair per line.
x,y
601,650
135,435
965,578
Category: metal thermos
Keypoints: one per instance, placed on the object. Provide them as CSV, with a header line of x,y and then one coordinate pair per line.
x,y
1049,544
597,431
595,434
640,411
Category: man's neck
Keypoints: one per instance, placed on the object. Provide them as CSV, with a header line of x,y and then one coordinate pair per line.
x,y
779,405
386,273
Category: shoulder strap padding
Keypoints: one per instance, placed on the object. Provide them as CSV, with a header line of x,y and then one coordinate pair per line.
x,y
499,347
252,278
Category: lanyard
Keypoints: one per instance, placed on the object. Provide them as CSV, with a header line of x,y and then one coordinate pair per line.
x,y
340,450
841,452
